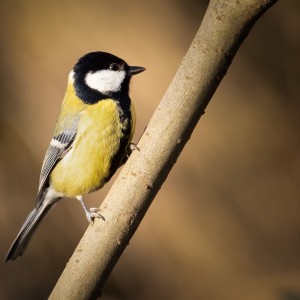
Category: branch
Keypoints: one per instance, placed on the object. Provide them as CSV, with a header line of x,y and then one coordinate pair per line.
x,y
224,27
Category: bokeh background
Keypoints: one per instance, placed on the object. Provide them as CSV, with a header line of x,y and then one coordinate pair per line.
x,y
226,223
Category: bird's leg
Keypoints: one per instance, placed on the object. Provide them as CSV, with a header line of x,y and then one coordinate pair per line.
x,y
91,213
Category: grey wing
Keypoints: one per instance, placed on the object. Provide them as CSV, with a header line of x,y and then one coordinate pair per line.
x,y
59,146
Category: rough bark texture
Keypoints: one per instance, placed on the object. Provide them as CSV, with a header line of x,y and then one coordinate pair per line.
x,y
223,29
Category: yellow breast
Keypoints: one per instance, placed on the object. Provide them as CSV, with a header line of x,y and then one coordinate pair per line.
x,y
87,164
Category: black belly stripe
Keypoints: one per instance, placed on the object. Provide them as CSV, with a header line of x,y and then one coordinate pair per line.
x,y
126,120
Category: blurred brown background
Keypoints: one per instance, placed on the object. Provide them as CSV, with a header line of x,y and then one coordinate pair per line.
x,y
226,223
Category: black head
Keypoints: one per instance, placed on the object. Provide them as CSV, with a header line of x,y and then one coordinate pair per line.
x,y
100,75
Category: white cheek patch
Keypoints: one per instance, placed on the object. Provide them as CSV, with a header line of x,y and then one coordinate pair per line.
x,y
105,81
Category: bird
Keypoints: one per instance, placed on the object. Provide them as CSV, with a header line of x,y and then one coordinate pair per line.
x,y
91,140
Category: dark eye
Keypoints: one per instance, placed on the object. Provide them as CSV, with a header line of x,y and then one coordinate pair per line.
x,y
114,67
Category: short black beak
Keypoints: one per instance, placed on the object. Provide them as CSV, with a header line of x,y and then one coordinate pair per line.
x,y
135,70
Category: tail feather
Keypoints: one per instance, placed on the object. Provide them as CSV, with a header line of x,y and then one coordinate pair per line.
x,y
32,221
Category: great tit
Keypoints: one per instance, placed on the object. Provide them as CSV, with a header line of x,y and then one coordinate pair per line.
x,y
91,138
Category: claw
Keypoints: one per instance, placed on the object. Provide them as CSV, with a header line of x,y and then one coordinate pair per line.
x,y
131,148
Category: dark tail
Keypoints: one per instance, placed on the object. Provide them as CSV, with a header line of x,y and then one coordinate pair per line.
x,y
31,223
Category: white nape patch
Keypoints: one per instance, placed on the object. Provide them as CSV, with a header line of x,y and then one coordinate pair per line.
x,y
105,81
71,76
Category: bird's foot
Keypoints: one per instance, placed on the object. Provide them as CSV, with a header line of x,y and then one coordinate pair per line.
x,y
131,148
92,214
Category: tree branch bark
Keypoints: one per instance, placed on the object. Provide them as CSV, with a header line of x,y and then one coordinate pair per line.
x,y
224,27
